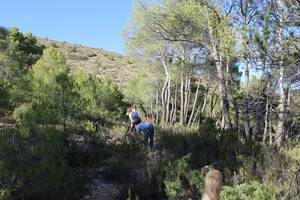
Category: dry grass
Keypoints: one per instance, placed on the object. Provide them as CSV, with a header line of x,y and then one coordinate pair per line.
x,y
104,64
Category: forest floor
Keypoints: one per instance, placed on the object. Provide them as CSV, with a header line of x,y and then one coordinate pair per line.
x,y
98,187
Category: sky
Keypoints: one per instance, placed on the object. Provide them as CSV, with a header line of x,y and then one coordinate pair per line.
x,y
94,23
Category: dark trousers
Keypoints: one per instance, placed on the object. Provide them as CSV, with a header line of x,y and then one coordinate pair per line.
x,y
148,136
133,128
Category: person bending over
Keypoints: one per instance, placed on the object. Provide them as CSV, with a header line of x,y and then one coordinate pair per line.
x,y
148,129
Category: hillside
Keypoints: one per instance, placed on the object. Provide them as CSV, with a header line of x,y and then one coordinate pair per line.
x,y
104,64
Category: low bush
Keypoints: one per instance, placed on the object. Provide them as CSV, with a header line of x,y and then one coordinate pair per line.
x,y
33,165
91,55
181,182
245,191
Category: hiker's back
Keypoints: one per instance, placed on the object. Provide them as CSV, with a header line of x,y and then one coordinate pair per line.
x,y
135,117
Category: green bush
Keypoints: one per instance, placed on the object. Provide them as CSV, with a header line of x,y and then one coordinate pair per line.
x,y
33,165
22,113
175,171
5,103
104,100
182,182
252,190
196,178
173,189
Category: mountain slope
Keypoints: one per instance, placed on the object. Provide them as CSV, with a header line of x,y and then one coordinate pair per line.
x,y
104,64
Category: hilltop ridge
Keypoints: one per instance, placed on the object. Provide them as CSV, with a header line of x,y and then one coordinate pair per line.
x,y
105,64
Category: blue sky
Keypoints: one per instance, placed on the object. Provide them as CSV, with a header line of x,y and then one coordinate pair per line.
x,y
95,23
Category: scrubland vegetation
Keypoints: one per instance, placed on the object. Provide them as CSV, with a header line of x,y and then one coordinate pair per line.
x,y
63,112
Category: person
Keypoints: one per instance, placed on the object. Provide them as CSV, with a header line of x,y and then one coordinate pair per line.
x,y
133,117
148,129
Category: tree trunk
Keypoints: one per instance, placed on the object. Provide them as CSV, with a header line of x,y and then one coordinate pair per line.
x,y
282,101
187,92
236,115
156,106
281,115
163,104
226,122
181,98
288,95
172,110
203,105
168,100
245,52
265,82
234,99
213,103
198,111
246,102
194,104
185,98
204,102
266,121
164,92
175,107
270,131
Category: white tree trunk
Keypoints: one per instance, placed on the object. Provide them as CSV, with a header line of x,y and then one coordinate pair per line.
x,y
226,122
266,121
181,99
281,109
164,92
194,104
282,96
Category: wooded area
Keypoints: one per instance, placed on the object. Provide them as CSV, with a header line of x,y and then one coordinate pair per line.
x,y
220,77
203,48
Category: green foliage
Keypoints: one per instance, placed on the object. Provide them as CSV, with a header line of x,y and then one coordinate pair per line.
x,y
196,178
51,104
252,190
23,113
173,188
32,164
141,89
3,35
104,101
202,143
23,48
182,182
293,153
174,173
4,98
55,97
18,52
198,22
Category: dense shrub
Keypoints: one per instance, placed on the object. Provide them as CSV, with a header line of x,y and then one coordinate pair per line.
x,y
181,182
104,101
33,164
5,103
206,145
252,190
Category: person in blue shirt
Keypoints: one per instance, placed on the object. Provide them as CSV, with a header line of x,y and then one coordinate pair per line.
x,y
148,129
133,117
